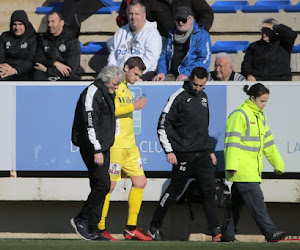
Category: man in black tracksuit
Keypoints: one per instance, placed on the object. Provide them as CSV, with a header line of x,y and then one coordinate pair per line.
x,y
94,133
269,58
183,134
58,53
17,48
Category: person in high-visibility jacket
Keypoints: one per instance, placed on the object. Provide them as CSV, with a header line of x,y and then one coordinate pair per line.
x,y
247,139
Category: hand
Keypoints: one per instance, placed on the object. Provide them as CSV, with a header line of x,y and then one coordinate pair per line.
x,y
62,68
267,25
159,77
98,159
231,171
7,70
213,158
41,67
251,78
172,159
139,103
181,78
276,171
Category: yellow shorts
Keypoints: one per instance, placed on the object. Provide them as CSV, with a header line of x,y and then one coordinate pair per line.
x,y
125,162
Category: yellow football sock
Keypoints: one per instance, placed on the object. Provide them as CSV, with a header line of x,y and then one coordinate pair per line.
x,y
105,208
134,204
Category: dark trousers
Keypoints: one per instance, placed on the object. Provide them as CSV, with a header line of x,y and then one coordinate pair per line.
x,y
249,193
76,11
198,165
100,185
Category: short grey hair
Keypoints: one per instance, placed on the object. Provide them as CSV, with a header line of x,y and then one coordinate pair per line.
x,y
224,54
136,2
110,72
271,20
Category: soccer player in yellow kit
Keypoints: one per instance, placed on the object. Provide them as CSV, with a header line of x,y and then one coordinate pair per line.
x,y
124,154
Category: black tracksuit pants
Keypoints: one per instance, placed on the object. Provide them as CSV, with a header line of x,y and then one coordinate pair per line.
x,y
198,165
100,185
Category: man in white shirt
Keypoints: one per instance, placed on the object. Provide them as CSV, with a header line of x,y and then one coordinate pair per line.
x,y
137,38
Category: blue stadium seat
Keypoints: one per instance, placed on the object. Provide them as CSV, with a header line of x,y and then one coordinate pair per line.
x,y
230,46
228,6
57,6
94,47
266,6
292,8
296,49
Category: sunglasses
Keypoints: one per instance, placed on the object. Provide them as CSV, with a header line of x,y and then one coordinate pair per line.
x,y
183,20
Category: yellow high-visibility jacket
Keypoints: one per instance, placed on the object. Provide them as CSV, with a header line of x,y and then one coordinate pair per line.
x,y
124,137
247,138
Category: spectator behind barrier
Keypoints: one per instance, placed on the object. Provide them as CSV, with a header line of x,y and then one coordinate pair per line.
x,y
17,48
188,46
269,58
224,69
58,53
137,38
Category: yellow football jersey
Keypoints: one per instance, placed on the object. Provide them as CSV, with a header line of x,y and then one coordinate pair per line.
x,y
124,137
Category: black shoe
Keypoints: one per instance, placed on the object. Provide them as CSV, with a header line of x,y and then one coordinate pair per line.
x,y
155,234
98,236
81,227
277,236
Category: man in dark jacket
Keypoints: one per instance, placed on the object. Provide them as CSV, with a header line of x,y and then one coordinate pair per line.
x,y
58,53
269,58
183,134
94,133
17,48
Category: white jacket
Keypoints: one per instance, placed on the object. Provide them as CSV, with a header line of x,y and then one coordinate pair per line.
x,y
146,44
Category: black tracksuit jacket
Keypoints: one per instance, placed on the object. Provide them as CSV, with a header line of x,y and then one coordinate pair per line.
x,y
64,48
183,124
19,51
94,121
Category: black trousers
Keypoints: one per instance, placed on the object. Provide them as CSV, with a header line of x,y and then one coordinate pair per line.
x,y
198,165
76,11
100,185
249,193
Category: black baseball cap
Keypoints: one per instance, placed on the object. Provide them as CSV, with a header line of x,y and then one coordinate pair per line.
x,y
183,12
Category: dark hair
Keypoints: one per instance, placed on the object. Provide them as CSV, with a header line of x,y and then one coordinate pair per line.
x,y
256,90
136,2
200,72
61,17
135,61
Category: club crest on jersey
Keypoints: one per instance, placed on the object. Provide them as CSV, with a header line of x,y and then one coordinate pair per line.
x,y
24,45
204,102
62,48
7,45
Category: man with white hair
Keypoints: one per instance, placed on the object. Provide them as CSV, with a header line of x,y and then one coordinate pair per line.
x,y
269,58
224,69
93,132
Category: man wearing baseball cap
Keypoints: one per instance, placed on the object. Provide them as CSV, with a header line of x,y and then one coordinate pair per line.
x,y
188,46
